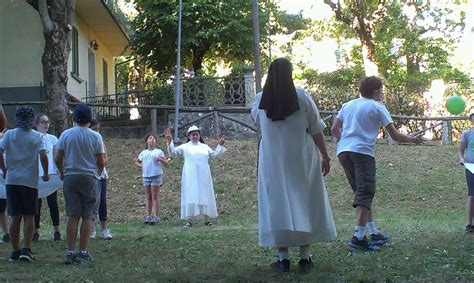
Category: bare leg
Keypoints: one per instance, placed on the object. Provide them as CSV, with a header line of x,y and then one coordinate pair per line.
x,y
86,228
470,209
71,232
155,195
28,229
148,200
362,215
103,224
4,221
15,232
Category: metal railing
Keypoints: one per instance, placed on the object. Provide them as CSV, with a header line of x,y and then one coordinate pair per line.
x,y
214,91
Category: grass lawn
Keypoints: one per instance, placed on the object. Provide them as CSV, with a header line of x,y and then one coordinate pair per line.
x,y
420,203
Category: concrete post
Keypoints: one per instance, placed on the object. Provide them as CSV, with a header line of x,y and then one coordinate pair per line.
x,y
153,114
249,81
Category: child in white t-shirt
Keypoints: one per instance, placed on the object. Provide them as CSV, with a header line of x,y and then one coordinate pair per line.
x,y
152,160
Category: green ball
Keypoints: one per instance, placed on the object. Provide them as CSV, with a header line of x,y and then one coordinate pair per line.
x,y
455,105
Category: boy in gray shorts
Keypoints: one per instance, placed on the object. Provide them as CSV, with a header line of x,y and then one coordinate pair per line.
x,y
80,159
361,120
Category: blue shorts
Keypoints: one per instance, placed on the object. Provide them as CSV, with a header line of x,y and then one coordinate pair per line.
x,y
153,181
470,183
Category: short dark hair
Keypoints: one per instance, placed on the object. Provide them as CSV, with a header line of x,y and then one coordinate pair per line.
x,y
368,85
82,114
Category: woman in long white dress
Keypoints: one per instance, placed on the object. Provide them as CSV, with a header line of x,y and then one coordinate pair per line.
x,y
293,206
197,191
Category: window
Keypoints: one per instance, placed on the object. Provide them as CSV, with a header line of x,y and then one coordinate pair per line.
x,y
75,51
104,77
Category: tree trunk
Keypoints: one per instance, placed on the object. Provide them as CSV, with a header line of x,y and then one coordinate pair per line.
x,y
198,56
56,18
55,59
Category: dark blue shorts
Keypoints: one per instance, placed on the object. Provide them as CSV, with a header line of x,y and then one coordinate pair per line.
x,y
470,183
22,200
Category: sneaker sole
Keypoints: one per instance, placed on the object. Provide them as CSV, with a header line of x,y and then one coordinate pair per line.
x,y
26,258
357,247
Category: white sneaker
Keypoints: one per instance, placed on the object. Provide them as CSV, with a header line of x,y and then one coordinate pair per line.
x,y
93,234
105,234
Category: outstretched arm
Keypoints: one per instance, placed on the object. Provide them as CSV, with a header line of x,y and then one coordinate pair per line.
x,y
220,149
399,137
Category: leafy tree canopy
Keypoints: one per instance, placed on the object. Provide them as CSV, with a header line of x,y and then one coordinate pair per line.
x,y
211,30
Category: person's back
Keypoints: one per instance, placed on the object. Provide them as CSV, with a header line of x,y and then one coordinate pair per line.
x,y
80,145
362,119
22,147
80,158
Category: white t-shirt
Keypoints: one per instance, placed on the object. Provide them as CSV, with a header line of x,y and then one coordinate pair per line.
x,y
50,142
150,166
22,149
361,121
80,145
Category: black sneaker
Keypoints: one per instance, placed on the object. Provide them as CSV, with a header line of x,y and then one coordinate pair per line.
x,y
36,237
6,238
281,266
69,258
469,228
379,239
305,264
57,237
208,223
26,255
15,256
83,257
363,245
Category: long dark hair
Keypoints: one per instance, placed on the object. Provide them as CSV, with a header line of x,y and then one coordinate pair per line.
x,y
146,139
37,119
279,94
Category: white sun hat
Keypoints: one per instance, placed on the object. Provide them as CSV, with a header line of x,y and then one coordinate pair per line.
x,y
193,128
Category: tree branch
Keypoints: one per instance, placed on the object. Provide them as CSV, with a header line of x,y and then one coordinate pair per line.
x,y
44,15
336,8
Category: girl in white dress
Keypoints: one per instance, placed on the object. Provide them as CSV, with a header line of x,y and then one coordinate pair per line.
x,y
293,206
197,192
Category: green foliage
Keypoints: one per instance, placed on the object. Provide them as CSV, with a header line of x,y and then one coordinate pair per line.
x,y
213,31
412,51
330,90
209,28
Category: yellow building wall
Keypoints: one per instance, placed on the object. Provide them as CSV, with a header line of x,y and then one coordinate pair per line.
x,y
22,45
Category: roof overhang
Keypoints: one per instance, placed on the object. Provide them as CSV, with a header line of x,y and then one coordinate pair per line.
x,y
99,17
